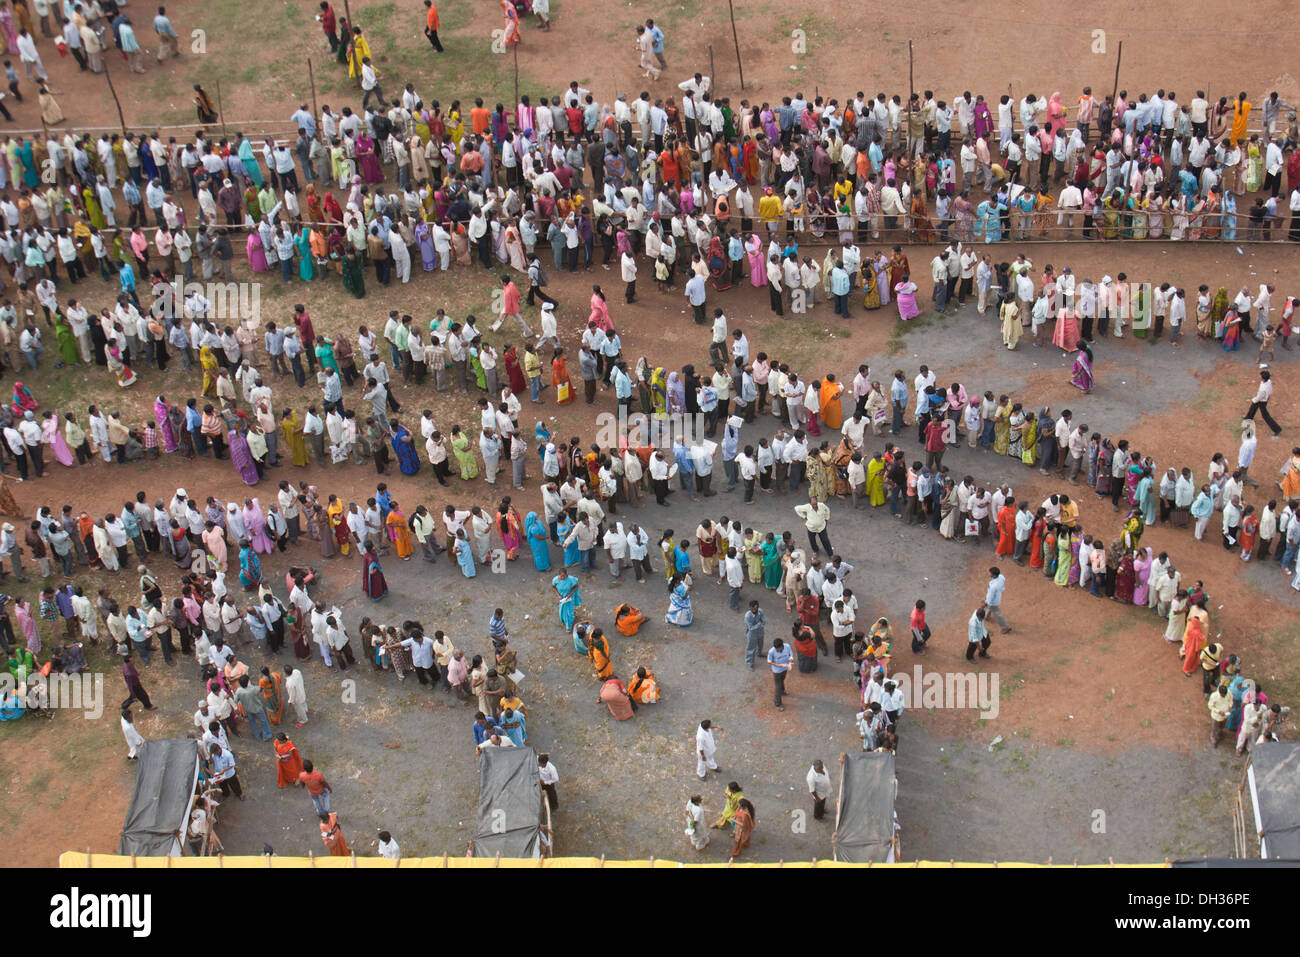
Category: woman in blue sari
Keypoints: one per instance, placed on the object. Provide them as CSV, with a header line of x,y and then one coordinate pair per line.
x,y
571,553
535,534
679,602
407,459
465,555
250,566
306,265
30,176
566,588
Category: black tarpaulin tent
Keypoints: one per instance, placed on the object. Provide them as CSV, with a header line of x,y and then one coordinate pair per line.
x,y
510,809
159,811
864,813
1274,778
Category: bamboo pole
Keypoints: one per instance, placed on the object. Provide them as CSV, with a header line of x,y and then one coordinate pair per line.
x,y
740,67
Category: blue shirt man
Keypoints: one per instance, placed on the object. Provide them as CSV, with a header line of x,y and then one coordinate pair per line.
x,y
656,40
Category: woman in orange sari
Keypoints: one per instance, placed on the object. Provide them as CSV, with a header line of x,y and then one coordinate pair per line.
x,y
921,228
332,835
1290,484
831,411
272,687
1193,643
560,379
315,211
399,533
288,761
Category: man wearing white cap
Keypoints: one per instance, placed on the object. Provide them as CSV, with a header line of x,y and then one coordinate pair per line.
x,y
548,327
32,435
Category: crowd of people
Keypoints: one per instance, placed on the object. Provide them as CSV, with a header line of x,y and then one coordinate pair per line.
x,y
672,185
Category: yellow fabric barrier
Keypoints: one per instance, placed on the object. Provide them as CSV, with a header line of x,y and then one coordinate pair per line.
x,y
78,859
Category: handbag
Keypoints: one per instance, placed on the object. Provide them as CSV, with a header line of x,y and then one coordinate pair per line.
x,y
562,392
972,527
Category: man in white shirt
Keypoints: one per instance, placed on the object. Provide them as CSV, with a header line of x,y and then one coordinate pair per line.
x,y
819,786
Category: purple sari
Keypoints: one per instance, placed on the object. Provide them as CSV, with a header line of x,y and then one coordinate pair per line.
x,y
160,414
255,527
241,458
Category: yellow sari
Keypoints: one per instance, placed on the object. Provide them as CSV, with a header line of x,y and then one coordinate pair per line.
x,y
291,429
335,515
876,481
208,360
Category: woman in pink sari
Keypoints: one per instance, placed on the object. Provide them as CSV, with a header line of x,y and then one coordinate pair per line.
x,y
214,540
757,264
256,255
255,527
371,171
162,414
1056,114
599,310
54,439
512,536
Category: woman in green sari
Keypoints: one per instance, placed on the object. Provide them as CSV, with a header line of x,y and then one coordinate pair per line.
x,y
659,392
464,454
644,396
1062,576
93,212
476,364
353,277
1002,426
306,266
67,342
771,563
819,474
1029,440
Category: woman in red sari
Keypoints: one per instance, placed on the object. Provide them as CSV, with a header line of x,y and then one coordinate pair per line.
x,y
1125,579
514,374
315,211
1036,542
333,211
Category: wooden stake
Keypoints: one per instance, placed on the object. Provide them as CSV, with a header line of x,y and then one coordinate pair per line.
x,y
352,57
120,118
1118,56
740,67
221,114
713,75
515,48
311,75
911,84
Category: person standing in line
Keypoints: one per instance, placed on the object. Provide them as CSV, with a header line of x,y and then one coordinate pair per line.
x,y
819,786
549,777
993,597
780,658
706,747
224,773
816,515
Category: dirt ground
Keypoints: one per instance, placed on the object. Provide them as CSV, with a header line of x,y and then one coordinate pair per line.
x,y
1093,713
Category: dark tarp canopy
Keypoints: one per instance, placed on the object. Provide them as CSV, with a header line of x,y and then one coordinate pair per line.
x,y
164,785
864,821
509,804
1275,766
